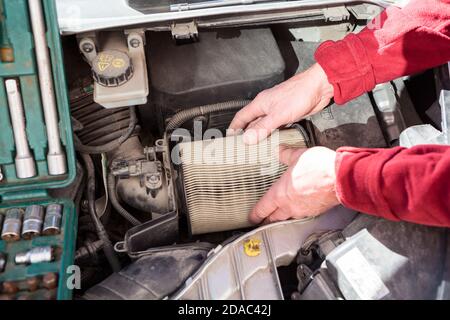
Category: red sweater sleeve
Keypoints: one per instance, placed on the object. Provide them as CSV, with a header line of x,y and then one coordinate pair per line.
x,y
397,184
396,43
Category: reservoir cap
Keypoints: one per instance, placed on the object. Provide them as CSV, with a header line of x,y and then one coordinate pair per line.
x,y
112,68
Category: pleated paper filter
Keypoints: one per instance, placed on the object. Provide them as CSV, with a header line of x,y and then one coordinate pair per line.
x,y
224,178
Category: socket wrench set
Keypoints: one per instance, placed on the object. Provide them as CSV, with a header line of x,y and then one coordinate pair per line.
x,y
36,249
36,154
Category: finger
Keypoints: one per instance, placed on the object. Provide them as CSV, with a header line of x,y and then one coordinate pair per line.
x,y
260,130
278,215
246,115
263,128
233,132
265,206
253,123
289,156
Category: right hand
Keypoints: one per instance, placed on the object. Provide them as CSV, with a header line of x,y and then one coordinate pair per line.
x,y
306,189
302,95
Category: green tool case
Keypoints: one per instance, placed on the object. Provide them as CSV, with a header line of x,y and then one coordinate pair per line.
x,y
18,61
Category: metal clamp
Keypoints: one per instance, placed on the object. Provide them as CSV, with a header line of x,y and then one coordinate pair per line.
x,y
184,31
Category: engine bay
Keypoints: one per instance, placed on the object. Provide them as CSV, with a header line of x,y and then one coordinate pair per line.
x,y
150,107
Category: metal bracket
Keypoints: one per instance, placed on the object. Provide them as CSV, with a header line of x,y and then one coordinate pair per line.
x,y
149,170
87,43
336,14
135,40
184,31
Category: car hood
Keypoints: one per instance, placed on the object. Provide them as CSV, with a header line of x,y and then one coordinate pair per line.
x,y
77,16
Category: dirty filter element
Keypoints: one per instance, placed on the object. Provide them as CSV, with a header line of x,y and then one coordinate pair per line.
x,y
224,178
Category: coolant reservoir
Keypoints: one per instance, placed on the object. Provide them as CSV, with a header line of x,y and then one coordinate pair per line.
x,y
118,67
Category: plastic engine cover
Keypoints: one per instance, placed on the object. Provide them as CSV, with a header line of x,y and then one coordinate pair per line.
x,y
223,65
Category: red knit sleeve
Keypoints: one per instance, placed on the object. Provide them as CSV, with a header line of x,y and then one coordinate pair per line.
x,y
396,43
397,184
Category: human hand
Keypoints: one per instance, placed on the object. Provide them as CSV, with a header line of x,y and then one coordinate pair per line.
x,y
306,189
302,95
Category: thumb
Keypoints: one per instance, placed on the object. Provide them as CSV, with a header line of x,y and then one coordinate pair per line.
x,y
259,130
289,155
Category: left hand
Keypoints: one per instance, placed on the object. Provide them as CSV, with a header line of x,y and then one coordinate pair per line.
x,y
306,189
304,94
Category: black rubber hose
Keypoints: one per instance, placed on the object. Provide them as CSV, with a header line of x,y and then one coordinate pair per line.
x,y
89,250
110,146
108,248
181,117
115,201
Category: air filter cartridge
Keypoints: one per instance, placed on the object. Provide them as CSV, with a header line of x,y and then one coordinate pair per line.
x,y
223,178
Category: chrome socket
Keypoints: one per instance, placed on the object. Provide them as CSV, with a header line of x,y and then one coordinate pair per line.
x,y
35,255
12,225
24,161
32,221
53,217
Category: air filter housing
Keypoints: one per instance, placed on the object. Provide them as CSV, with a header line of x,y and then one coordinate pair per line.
x,y
223,178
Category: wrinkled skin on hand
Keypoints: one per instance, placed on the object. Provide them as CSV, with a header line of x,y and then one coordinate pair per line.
x,y
306,189
302,95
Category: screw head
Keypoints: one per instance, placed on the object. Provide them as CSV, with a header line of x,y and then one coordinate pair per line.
x,y
87,47
135,43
